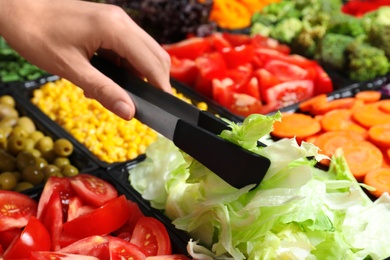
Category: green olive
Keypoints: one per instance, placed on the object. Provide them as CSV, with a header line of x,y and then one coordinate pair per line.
x,y
8,121
69,171
27,124
50,170
7,130
34,152
32,174
40,162
49,156
63,147
36,135
7,161
3,139
44,144
29,143
22,186
61,162
7,100
24,159
16,144
18,131
7,111
8,181
17,174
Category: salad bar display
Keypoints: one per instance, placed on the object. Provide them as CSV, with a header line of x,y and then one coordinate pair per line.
x,y
304,84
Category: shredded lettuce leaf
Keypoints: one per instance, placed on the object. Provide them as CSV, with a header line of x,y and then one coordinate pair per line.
x,y
298,211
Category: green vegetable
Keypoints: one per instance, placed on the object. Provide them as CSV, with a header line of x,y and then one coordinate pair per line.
x,y
378,27
297,212
287,30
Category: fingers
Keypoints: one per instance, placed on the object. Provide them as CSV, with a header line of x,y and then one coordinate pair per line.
x,y
104,90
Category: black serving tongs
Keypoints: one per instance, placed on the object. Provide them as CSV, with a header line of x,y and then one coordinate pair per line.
x,y
192,130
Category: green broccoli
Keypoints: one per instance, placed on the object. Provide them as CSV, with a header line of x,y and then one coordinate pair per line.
x,y
366,62
262,29
286,30
346,24
378,28
305,43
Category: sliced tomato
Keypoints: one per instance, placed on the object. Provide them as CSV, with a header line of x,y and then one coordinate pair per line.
x,y
135,214
285,71
190,48
183,70
266,55
121,249
7,236
45,255
251,88
77,208
211,66
265,80
92,189
218,42
237,39
62,185
151,236
223,91
34,237
15,209
238,55
323,83
53,218
96,246
288,93
260,42
101,221
245,105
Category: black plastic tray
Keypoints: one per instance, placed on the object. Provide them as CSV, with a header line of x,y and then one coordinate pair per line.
x,y
78,158
178,242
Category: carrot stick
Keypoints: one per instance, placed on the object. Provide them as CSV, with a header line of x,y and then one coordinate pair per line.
x,y
370,115
340,119
362,157
296,125
380,135
333,104
379,179
369,96
309,104
328,142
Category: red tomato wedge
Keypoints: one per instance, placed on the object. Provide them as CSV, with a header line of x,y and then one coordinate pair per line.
x,y
93,190
100,221
151,236
7,236
285,71
238,55
291,92
15,209
183,70
96,246
34,237
260,42
45,255
190,48
121,249
135,214
169,257
62,185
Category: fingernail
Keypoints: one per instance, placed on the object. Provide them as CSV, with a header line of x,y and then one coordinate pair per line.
x,y
123,110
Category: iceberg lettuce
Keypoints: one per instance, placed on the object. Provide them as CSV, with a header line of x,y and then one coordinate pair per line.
x,y
298,211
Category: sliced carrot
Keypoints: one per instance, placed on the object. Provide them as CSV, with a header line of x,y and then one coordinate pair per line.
x,y
296,125
309,104
370,115
340,119
328,142
384,105
362,157
386,158
380,135
333,104
358,103
379,179
369,96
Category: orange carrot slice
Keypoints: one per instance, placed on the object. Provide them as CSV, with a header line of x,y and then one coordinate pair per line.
x,y
333,104
362,157
379,179
369,96
340,119
309,104
296,125
380,135
370,115
384,106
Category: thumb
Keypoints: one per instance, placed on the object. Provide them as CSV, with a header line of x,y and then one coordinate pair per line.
x,y
98,86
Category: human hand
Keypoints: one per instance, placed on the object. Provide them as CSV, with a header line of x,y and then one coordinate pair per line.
x,y
61,36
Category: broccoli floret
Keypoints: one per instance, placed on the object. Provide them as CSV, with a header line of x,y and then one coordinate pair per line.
x,y
307,40
286,30
346,24
262,29
366,62
282,10
331,50
378,28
